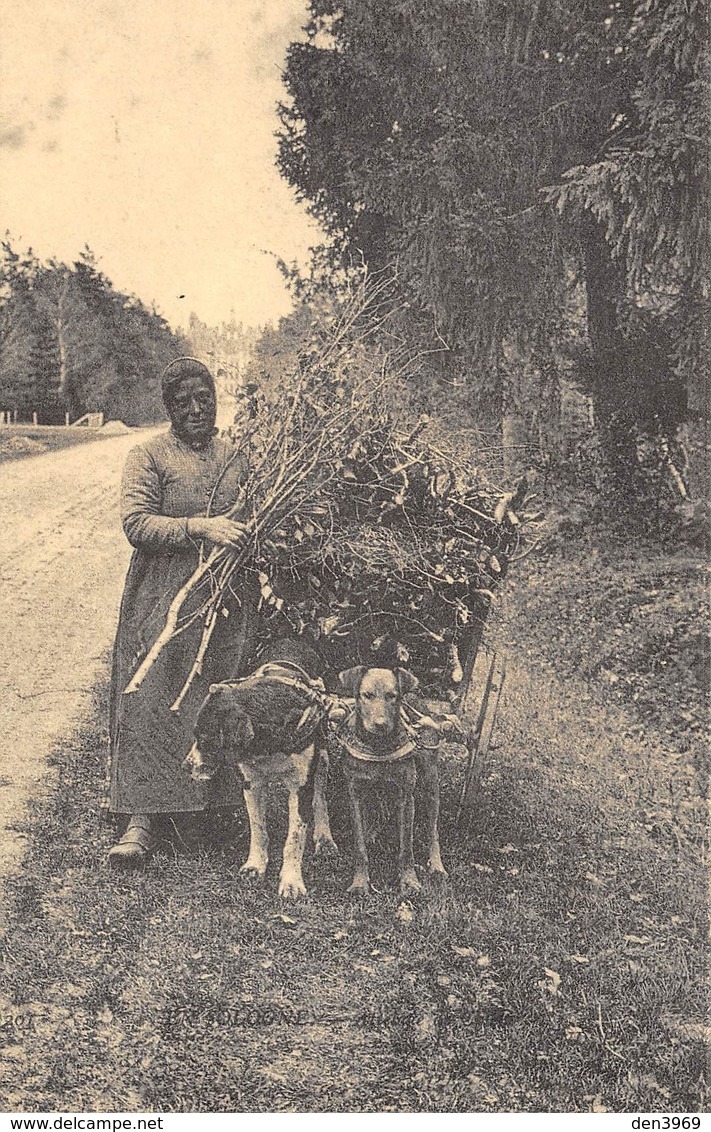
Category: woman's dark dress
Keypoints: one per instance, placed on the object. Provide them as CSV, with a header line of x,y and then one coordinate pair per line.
x,y
166,482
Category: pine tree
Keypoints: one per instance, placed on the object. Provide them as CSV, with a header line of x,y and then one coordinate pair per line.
x,y
437,135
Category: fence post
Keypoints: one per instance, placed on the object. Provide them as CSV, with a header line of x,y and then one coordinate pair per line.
x,y
66,420
34,418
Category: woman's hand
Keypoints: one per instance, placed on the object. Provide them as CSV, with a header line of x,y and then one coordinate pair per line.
x,y
219,530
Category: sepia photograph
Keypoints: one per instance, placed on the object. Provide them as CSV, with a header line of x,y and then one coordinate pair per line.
x,y
354,565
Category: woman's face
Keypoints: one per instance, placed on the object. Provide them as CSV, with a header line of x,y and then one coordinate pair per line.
x,y
192,409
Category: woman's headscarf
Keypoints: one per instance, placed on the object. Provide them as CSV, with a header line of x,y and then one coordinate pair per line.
x,y
177,371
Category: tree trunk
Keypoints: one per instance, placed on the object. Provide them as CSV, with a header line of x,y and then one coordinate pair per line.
x,y
60,326
514,438
514,427
547,399
615,416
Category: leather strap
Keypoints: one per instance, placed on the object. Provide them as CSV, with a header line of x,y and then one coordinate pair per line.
x,y
360,749
279,674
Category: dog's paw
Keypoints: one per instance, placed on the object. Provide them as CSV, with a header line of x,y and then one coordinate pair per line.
x,y
291,888
251,871
325,847
409,883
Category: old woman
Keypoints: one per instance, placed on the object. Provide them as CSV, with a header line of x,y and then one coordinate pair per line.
x,y
175,486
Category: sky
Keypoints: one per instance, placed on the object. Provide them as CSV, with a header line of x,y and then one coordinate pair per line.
x,y
145,129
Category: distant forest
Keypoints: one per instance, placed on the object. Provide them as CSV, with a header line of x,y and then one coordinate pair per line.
x,y
71,343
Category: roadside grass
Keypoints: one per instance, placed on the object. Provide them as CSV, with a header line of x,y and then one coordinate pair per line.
x,y
19,441
632,618
562,967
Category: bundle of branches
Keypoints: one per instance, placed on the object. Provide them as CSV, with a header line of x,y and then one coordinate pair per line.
x,y
349,522
402,541
293,442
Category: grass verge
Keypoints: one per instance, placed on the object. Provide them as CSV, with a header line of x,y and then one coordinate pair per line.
x,y
562,968
19,441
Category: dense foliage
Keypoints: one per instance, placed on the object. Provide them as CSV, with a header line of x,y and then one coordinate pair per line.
x,y
397,540
404,535
648,185
70,343
536,171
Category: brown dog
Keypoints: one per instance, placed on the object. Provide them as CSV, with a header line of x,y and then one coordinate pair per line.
x,y
271,724
379,749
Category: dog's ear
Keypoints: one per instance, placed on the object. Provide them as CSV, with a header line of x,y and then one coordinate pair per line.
x,y
350,679
406,682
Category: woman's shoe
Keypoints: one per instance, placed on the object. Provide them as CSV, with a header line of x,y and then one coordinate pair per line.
x,y
136,845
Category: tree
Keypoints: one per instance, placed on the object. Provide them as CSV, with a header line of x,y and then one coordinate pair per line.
x,y
426,133
422,133
648,190
70,343
17,331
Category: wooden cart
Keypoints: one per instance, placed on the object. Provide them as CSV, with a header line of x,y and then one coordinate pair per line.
x,y
478,734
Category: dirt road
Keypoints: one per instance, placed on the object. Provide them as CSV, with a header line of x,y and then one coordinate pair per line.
x,y
63,557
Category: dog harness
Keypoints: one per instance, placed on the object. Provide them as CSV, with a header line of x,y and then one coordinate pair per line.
x,y
415,731
333,708
294,676
404,743
279,672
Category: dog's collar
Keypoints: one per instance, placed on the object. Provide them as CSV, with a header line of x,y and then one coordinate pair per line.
x,y
359,749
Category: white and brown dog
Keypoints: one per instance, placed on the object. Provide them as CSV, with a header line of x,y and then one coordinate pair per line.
x,y
379,750
272,725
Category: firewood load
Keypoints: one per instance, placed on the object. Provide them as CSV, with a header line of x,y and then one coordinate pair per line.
x,y
356,525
